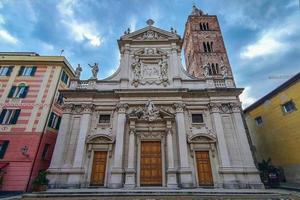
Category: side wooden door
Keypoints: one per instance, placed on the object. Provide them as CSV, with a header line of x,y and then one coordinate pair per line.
x,y
151,163
99,168
203,168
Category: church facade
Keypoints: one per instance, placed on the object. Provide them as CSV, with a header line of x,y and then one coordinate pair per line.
x,y
152,123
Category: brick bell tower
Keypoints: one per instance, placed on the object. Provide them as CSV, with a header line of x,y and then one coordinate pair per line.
x,y
204,49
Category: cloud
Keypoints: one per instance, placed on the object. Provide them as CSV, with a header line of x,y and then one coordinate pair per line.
x,y
80,31
273,40
6,36
132,24
245,97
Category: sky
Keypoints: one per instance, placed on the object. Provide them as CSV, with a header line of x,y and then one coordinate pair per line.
x,y
262,37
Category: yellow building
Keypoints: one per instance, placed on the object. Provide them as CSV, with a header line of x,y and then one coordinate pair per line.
x,y
274,128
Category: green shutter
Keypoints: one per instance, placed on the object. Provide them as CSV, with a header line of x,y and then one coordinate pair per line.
x,y
33,71
58,123
3,148
12,91
9,70
50,119
25,91
21,71
14,119
2,115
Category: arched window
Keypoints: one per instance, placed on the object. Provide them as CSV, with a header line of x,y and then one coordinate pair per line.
x,y
201,27
208,47
207,27
204,47
19,91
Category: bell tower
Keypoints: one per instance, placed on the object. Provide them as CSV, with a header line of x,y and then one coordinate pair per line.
x,y
204,49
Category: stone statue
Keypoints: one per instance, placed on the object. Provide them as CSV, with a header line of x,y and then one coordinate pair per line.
x,y
78,71
95,70
151,112
224,71
164,68
136,67
206,70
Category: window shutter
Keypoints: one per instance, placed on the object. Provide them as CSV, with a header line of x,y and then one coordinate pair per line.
x,y
12,91
33,71
3,149
25,91
14,119
21,71
2,115
50,119
58,123
9,70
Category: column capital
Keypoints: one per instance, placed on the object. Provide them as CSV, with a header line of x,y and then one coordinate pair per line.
x,y
122,107
179,107
68,108
87,108
214,107
235,107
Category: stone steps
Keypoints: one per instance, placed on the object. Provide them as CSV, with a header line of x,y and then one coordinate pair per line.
x,y
197,194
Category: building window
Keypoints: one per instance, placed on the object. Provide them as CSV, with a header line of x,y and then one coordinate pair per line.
x,y
6,70
18,91
45,151
64,77
27,71
104,119
54,121
60,99
208,47
213,69
3,147
197,118
204,26
9,116
258,120
289,107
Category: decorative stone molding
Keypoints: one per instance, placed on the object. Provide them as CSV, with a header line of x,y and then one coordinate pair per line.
x,y
122,107
87,108
235,107
100,139
202,138
68,108
214,107
179,107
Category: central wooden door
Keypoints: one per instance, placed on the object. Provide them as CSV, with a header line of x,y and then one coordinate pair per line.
x,y
151,164
204,168
99,167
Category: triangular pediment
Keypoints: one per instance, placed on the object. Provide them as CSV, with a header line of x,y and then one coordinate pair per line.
x,y
150,33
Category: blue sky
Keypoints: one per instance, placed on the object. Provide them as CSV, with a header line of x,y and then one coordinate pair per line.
x,y
262,37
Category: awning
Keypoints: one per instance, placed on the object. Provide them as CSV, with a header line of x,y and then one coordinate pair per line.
x,y
3,164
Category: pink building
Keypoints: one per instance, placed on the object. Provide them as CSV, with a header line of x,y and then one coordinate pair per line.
x,y
30,110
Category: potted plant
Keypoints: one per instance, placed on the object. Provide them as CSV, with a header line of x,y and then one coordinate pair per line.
x,y
40,183
269,174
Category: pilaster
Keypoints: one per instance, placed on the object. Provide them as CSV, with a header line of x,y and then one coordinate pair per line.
x,y
130,180
171,172
185,170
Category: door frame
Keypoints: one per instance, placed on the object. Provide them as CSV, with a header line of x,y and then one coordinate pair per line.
x,y
162,143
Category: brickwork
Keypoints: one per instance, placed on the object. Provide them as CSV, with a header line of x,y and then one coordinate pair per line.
x,y
196,56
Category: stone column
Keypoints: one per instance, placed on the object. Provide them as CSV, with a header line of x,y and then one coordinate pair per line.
x,y
117,171
229,179
223,151
241,133
185,170
57,156
74,179
171,172
130,171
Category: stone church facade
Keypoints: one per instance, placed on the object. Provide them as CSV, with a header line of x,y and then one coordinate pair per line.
x,y
154,124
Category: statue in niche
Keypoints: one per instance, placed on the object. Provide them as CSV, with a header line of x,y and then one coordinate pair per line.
x,y
164,68
151,112
136,67
78,71
224,71
206,70
95,70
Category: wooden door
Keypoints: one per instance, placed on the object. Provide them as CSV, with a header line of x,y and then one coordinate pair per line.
x,y
151,164
99,167
204,168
